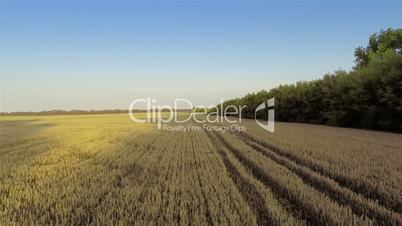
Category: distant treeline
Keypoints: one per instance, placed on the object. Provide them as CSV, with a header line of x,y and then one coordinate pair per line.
x,y
80,112
369,96
72,112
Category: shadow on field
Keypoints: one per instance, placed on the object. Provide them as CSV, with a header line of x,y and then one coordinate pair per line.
x,y
18,142
21,128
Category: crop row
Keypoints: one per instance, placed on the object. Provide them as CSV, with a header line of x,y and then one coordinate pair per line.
x,y
359,204
363,187
306,202
266,207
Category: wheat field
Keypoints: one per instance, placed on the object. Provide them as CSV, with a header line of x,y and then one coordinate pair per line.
x,y
108,170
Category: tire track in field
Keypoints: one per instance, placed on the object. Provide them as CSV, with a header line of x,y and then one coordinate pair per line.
x,y
133,168
342,195
165,189
118,184
213,162
312,215
364,189
250,193
208,214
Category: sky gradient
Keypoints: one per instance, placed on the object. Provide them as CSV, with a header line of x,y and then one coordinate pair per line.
x,y
102,54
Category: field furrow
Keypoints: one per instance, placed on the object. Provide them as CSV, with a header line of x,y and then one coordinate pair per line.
x,y
369,191
311,205
248,190
344,196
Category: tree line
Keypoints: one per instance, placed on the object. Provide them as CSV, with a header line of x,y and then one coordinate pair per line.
x,y
369,96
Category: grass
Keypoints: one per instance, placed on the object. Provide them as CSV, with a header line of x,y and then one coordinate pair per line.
x,y
106,169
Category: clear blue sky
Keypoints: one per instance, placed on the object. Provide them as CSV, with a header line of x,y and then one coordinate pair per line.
x,y
103,54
